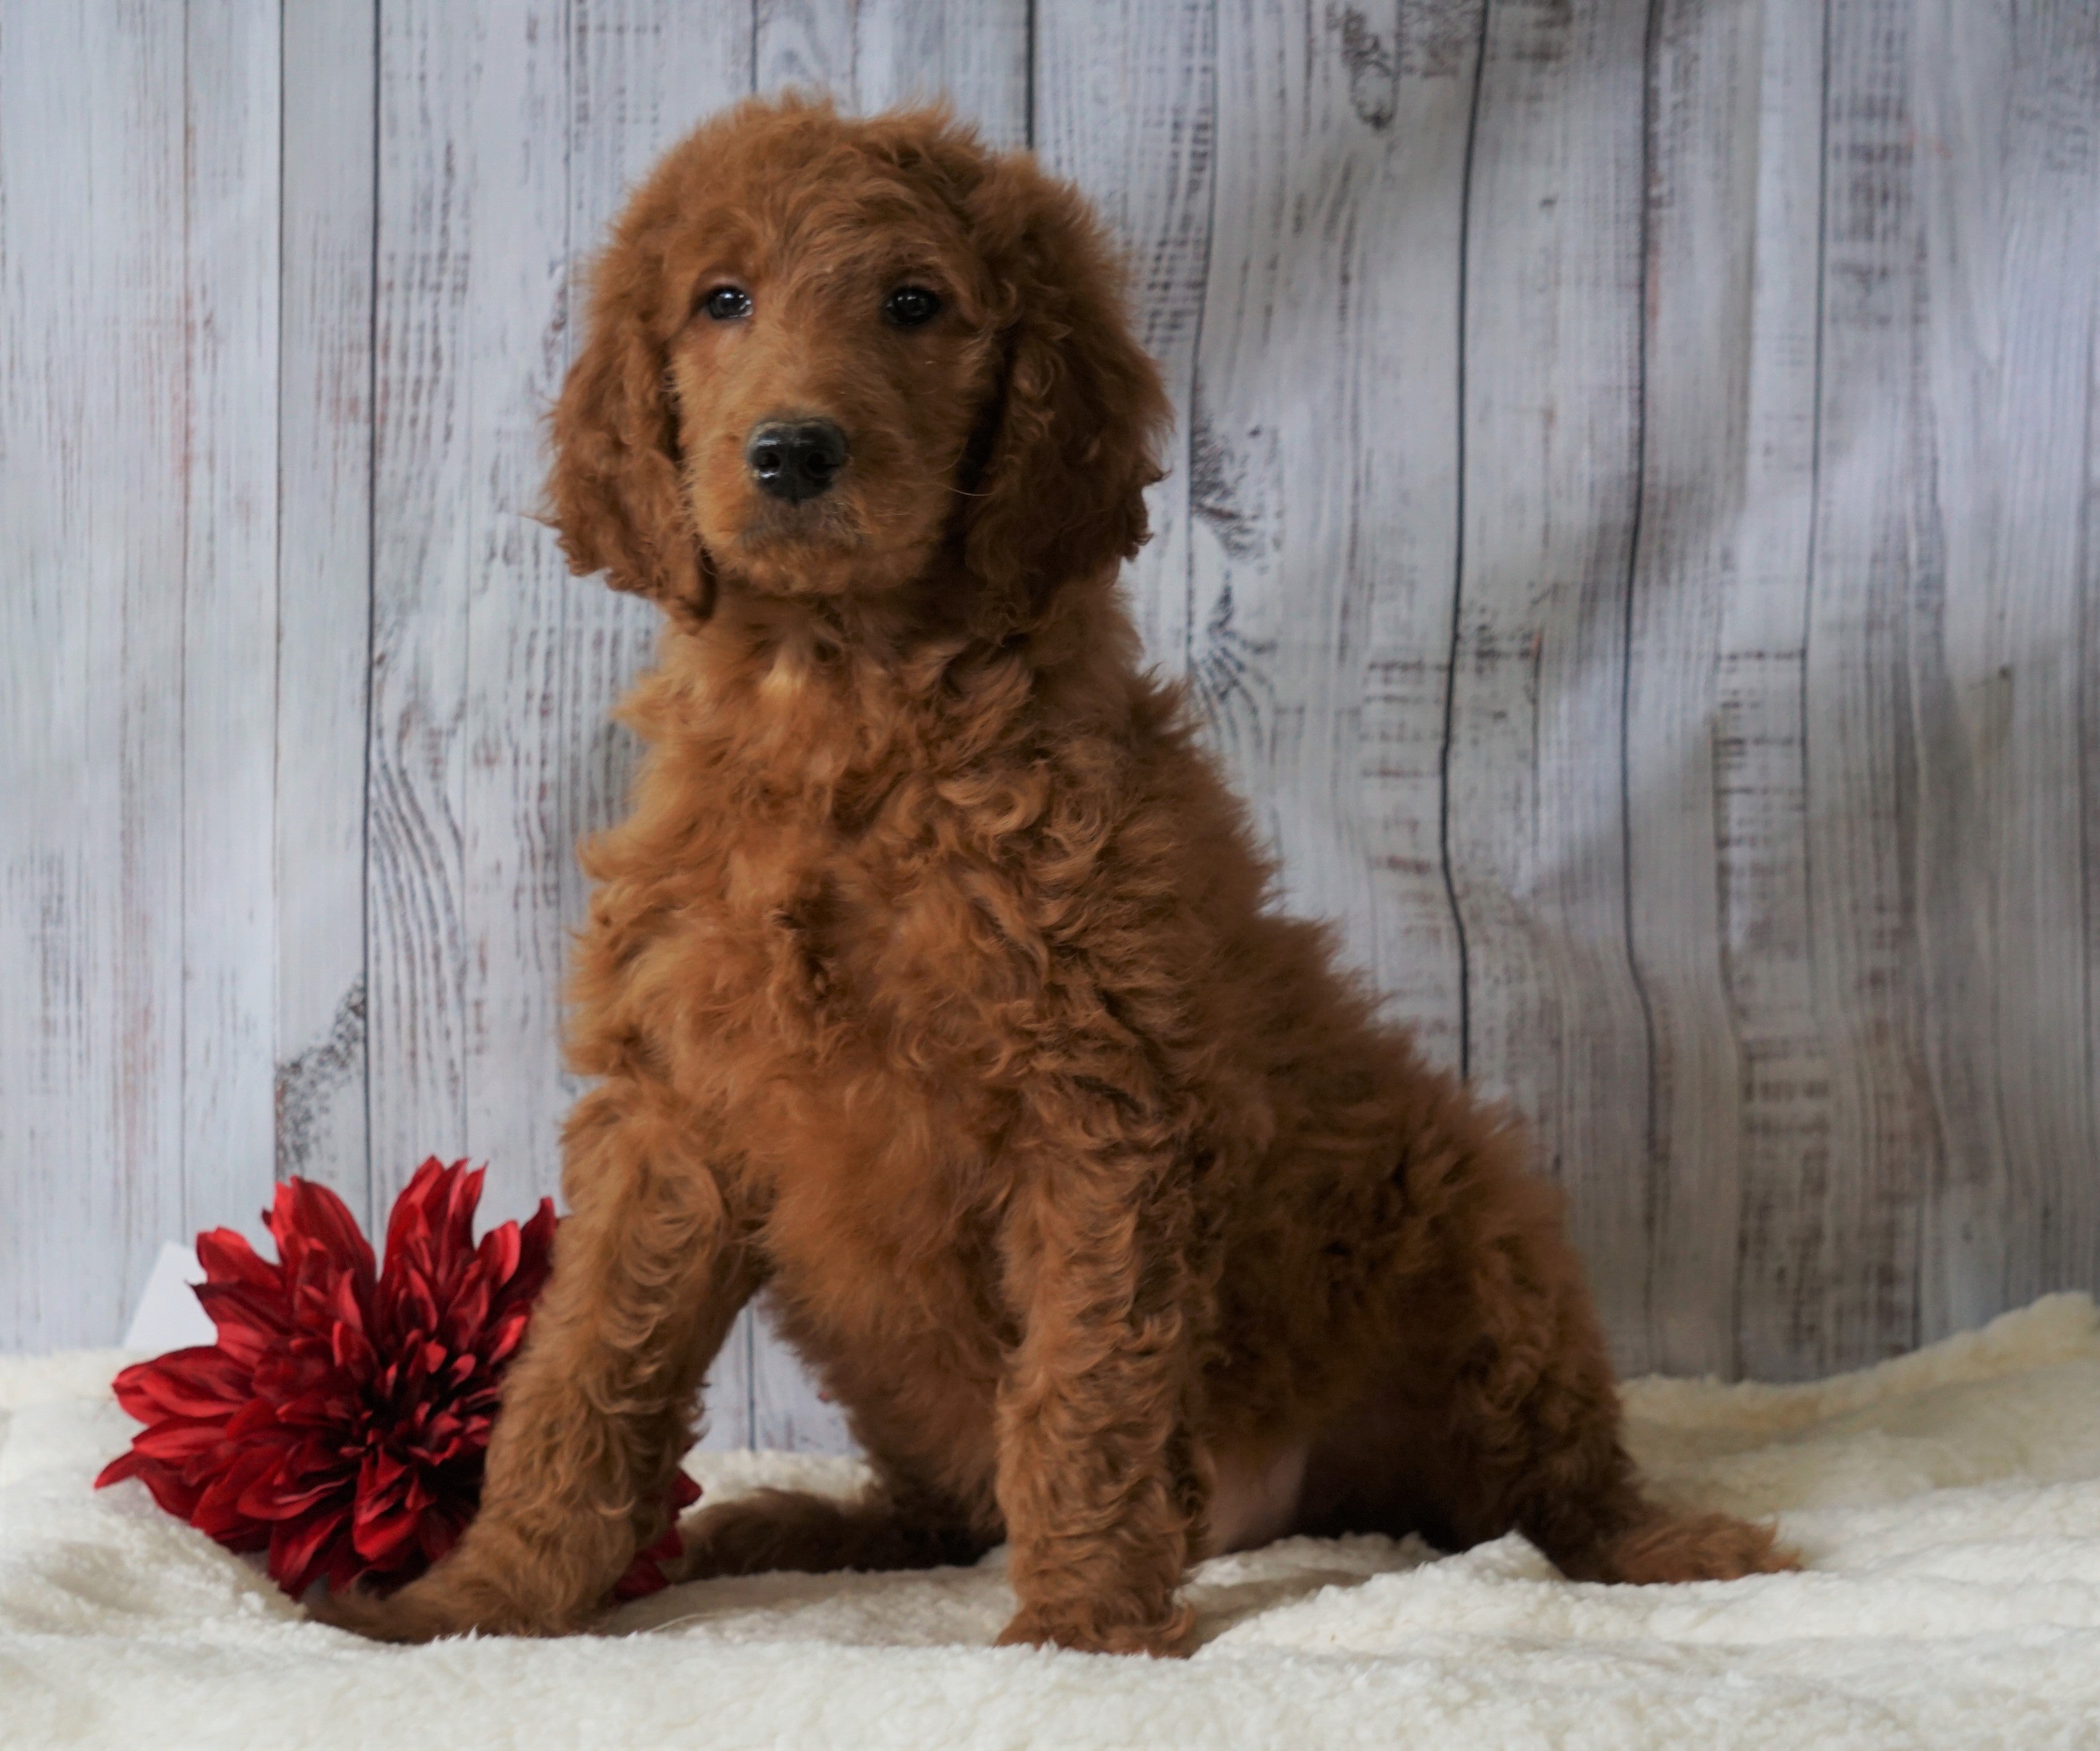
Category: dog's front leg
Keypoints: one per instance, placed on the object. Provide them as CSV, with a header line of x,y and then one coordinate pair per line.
x,y
1098,1479
649,1273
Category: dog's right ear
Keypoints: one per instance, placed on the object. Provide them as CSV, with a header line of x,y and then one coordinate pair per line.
x,y
616,493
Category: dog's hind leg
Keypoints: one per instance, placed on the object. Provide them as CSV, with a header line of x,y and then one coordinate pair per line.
x,y
812,1534
1499,1412
649,1273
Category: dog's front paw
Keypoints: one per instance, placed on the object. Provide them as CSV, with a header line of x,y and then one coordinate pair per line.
x,y
1097,1630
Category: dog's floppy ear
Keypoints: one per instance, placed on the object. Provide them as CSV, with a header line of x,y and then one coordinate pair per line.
x,y
615,492
1058,491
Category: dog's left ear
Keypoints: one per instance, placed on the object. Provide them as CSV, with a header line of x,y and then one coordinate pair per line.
x,y
1068,450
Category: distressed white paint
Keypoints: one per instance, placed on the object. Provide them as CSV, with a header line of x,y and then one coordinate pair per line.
x,y
1760,546
1556,1021
1713,380
322,676
138,461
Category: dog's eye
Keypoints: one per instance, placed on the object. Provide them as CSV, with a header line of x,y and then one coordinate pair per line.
x,y
909,306
727,303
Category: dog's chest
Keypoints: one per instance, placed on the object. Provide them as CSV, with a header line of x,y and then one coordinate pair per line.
x,y
807,901
895,943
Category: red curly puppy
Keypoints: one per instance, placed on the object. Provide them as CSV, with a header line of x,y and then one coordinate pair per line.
x,y
932,987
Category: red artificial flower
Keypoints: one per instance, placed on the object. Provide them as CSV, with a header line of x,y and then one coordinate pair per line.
x,y
341,1421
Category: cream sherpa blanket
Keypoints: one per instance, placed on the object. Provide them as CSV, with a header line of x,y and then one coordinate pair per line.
x,y
1948,1505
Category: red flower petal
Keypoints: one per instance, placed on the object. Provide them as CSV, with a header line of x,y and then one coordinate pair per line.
x,y
503,1337
318,1239
536,1257
126,1464
219,1511
501,1251
201,1382
175,1495
174,1439
300,1550
645,1574
278,1499
341,1418
251,1323
227,1258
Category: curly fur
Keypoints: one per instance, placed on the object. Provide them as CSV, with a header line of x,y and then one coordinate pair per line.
x,y
932,987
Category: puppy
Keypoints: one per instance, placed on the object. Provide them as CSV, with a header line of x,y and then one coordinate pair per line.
x,y
932,988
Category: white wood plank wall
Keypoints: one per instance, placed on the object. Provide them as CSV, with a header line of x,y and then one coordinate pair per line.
x,y
1632,534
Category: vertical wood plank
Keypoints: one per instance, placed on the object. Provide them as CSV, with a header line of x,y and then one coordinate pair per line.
x,y
1406,529
137,327
1322,466
93,416
2007,117
422,534
803,45
323,397
1700,238
530,707
1126,106
1861,721
231,66
1553,281
2073,1248
873,54
1713,675
1700,185
1783,1149
643,73
141,487
476,721
971,54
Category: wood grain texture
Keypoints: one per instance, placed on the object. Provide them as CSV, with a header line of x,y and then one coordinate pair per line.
x,y
1700,176
1862,696
138,253
323,577
1759,550
1714,647
90,413
2072,1229
971,54
417,998
2008,159
1629,531
803,45
532,703
1557,1023
324,591
230,59
1126,106
1324,531
870,55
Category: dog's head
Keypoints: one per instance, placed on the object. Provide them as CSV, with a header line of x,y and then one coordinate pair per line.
x,y
825,354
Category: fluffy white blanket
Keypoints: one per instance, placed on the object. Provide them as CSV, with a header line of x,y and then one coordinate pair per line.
x,y
1947,1504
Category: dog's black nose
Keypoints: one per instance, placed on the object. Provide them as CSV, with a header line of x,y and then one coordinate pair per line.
x,y
796,459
